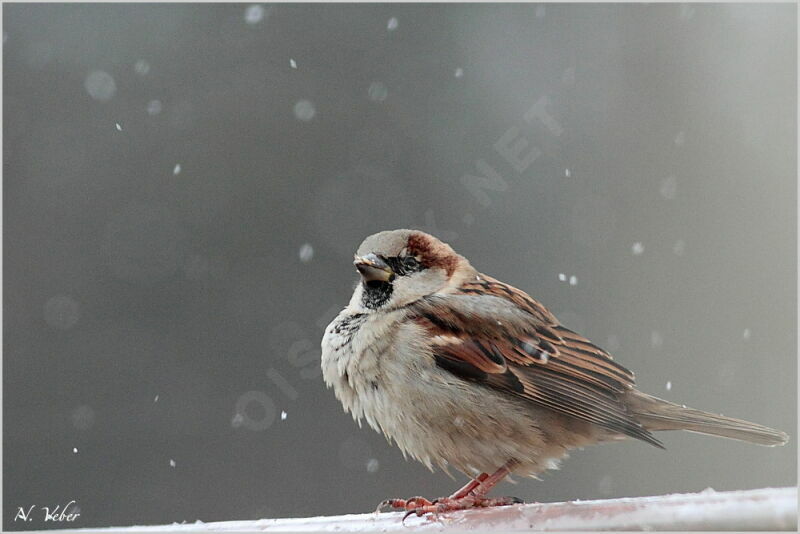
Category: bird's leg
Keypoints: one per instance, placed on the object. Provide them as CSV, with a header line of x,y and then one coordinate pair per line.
x,y
473,495
471,485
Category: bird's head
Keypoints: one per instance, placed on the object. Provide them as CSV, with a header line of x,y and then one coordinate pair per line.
x,y
398,267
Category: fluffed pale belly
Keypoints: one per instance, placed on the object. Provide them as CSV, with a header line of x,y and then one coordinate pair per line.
x,y
436,417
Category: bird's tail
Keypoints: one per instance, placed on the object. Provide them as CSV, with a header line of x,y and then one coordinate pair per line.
x,y
658,414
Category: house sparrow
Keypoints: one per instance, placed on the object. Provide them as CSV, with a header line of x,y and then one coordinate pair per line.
x,y
462,370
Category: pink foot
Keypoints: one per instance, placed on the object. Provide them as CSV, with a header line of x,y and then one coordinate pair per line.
x,y
448,504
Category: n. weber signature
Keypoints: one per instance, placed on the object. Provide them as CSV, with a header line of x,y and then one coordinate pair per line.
x,y
56,514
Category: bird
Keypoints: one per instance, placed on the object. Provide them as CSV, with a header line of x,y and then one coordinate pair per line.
x,y
462,370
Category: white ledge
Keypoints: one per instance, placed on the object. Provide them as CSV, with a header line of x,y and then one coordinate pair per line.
x,y
760,509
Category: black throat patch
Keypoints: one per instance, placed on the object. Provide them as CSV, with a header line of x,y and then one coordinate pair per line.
x,y
376,294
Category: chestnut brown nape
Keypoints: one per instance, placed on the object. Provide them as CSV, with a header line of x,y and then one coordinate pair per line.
x,y
433,252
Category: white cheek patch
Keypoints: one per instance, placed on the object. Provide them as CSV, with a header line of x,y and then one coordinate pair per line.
x,y
420,284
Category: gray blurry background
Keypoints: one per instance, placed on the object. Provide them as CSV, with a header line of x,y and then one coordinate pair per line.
x,y
184,187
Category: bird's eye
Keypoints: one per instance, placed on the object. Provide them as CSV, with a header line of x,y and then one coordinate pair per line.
x,y
410,263
403,265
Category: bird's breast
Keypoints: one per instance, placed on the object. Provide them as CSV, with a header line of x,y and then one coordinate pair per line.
x,y
358,354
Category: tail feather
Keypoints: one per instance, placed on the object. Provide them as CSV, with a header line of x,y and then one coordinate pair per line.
x,y
657,414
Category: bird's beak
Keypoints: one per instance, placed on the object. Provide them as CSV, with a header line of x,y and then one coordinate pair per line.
x,y
372,268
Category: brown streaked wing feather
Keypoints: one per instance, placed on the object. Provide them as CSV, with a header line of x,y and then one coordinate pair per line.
x,y
486,285
549,336
538,339
479,354
536,359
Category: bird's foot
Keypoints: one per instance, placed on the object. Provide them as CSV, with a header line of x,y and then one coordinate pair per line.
x,y
420,506
448,504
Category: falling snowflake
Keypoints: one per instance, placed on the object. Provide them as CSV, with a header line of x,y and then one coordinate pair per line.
x,y
669,385
459,72
253,14
306,252
637,248
141,67
119,127
100,85
377,92
573,280
392,24
172,463
292,63
177,169
154,107
284,415
304,110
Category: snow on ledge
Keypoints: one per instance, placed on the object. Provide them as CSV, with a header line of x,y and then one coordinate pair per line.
x,y
760,509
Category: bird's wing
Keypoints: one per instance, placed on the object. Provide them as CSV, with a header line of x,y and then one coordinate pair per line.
x,y
494,334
